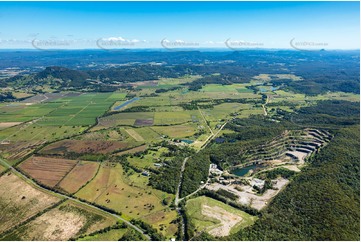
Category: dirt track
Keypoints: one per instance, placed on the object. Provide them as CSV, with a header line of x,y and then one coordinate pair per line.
x,y
228,220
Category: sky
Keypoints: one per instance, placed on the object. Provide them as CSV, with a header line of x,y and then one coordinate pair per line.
x,y
170,25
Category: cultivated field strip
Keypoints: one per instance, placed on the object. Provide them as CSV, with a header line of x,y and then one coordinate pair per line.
x,y
48,171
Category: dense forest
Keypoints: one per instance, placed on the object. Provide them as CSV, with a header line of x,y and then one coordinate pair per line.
x,y
322,202
196,172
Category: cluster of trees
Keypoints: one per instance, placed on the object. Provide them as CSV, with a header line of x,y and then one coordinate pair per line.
x,y
227,194
161,90
152,232
328,113
167,179
6,96
195,172
278,172
131,235
137,109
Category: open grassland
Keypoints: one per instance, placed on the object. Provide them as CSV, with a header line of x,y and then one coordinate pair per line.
x,y
302,99
169,118
233,88
112,134
164,221
2,168
148,160
140,118
148,134
5,125
126,193
20,201
177,131
134,134
79,176
34,131
48,171
263,78
115,136
64,222
253,110
177,81
133,150
215,217
222,111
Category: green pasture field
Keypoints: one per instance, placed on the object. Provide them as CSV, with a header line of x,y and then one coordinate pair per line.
x,y
222,111
39,132
177,81
177,131
245,113
218,88
169,118
147,160
148,134
352,97
127,193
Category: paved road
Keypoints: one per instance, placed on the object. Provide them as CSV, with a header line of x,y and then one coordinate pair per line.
x,y
177,199
4,163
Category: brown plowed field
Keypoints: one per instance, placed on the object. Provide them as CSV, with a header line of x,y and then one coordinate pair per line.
x,y
84,146
49,171
81,174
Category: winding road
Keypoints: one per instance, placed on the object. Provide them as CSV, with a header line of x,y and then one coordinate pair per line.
x,y
177,199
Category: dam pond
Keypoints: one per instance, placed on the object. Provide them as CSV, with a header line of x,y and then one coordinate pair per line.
x,y
244,170
126,103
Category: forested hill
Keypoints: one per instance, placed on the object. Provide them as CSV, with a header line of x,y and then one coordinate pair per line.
x,y
320,72
322,202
